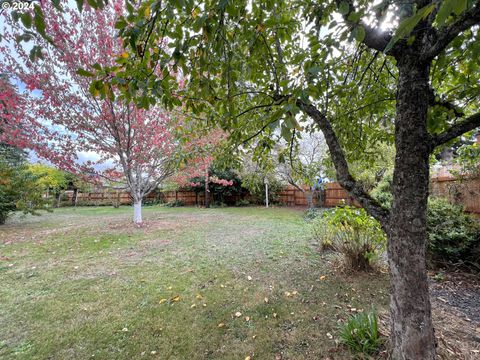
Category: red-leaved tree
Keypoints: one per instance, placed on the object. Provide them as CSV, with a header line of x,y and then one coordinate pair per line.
x,y
64,119
200,154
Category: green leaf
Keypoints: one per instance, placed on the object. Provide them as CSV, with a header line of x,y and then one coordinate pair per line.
x,y
344,8
359,33
408,24
84,72
79,5
26,20
39,21
450,7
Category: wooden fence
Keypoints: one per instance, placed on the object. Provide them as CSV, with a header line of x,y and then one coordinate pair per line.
x,y
333,195
464,192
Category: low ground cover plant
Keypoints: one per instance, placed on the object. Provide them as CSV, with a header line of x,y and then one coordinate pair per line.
x,y
360,334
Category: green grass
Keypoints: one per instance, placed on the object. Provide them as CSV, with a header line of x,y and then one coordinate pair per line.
x,y
85,284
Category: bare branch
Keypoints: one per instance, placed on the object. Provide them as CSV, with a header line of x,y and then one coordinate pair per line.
x,y
470,123
442,38
344,177
435,100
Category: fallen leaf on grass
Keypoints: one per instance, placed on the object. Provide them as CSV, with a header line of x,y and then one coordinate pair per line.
x,y
176,298
238,314
323,277
193,305
199,297
221,325
330,336
162,301
248,358
266,300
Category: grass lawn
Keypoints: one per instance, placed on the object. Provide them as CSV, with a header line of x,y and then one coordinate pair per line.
x,y
193,284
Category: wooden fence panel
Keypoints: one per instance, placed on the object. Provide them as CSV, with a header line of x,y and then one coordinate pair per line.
x,y
464,192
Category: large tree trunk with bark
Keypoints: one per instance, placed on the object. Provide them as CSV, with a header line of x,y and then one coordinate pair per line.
x,y
412,332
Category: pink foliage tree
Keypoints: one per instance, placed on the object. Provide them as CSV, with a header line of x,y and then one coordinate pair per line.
x,y
61,119
201,155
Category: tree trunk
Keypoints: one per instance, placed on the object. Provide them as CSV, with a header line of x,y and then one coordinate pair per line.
x,y
137,211
266,194
207,190
74,197
309,197
412,332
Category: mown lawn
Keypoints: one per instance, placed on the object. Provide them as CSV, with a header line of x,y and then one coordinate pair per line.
x,y
193,284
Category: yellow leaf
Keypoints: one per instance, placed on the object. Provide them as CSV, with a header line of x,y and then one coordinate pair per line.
x,y
192,306
295,292
266,300
322,277
176,298
288,294
199,297
248,358
195,12
162,301
125,55
221,325
147,12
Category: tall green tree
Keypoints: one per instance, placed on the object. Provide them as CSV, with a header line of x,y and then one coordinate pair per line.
x,y
359,71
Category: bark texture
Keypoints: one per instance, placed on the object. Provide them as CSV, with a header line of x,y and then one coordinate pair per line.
x,y
412,333
137,211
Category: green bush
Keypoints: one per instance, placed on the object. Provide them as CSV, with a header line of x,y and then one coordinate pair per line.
x,y
175,203
352,233
383,191
255,184
242,202
453,235
360,334
312,214
19,191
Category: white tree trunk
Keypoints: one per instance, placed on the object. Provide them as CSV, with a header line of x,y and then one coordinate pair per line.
x,y
137,211
266,194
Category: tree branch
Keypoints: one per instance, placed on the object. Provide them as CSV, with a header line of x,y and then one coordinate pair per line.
x,y
344,177
442,38
374,38
432,100
470,123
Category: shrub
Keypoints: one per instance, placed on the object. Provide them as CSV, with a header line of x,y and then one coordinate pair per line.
x,y
19,191
175,203
312,213
254,183
360,333
383,191
242,202
453,235
352,233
